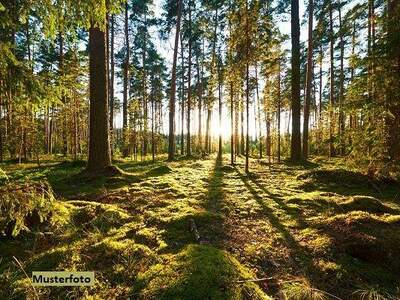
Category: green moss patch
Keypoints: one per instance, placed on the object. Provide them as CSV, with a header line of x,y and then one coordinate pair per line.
x,y
198,272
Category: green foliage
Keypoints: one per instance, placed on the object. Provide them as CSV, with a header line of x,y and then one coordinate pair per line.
x,y
25,206
302,291
372,293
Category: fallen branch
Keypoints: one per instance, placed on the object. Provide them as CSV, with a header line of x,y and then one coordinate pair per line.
x,y
254,280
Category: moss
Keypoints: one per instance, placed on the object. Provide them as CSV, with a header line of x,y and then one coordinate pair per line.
x,y
302,291
197,272
159,171
135,229
365,203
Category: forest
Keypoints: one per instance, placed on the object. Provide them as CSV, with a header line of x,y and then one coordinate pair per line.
x,y
201,149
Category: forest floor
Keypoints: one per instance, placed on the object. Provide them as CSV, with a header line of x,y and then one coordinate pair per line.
x,y
202,229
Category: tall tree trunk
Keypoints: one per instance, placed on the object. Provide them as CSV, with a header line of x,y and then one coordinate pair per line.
x,y
232,125
242,148
246,168
268,135
392,99
237,144
99,146
1,121
171,137
111,94
219,111
153,152
75,120
182,98
63,99
208,133
332,85
279,112
247,118
320,99
308,79
200,96
295,149
125,148
260,145
189,98
145,106
341,86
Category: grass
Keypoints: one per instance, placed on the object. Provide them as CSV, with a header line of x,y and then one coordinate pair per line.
x,y
306,230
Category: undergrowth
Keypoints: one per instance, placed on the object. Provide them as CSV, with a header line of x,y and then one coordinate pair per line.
x,y
202,229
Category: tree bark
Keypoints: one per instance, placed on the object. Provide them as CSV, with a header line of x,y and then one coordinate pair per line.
x,y
308,79
393,103
63,99
258,114
232,125
189,97
200,96
145,106
171,137
112,72
99,146
332,85
125,149
341,85
279,112
295,149
182,98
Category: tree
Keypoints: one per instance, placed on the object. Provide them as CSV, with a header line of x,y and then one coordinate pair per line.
x,y
99,146
189,90
295,149
309,76
125,149
171,138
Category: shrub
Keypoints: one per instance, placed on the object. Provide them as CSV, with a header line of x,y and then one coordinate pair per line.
x,y
24,206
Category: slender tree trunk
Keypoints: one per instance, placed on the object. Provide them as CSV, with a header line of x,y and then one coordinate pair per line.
x,y
200,96
242,126
99,146
153,153
182,98
259,115
1,121
332,85
171,137
219,111
308,79
246,168
63,100
392,99
341,86
268,135
125,149
295,148
237,149
247,117
278,112
208,133
112,72
75,120
232,125
189,99
145,106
